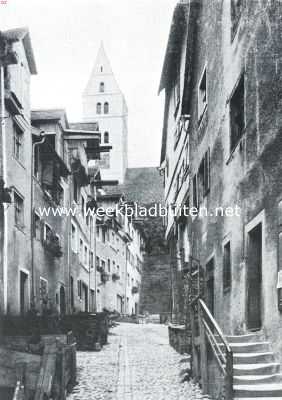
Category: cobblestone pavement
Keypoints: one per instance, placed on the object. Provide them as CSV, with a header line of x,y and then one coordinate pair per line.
x,y
138,364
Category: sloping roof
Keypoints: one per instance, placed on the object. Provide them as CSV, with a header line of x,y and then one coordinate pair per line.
x,y
15,35
49,114
84,126
141,185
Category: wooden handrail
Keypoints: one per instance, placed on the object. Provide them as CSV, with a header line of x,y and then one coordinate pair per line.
x,y
224,358
214,324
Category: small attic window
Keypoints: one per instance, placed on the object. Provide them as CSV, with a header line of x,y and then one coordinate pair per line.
x,y
102,87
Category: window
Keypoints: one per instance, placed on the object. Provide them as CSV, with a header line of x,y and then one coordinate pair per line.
x,y
98,108
91,259
202,95
236,11
201,181
82,206
37,227
97,262
237,114
72,292
128,280
109,265
60,195
43,291
47,232
102,87
73,238
195,192
106,137
114,266
227,267
19,210
101,68
85,256
75,190
18,142
106,108
79,288
81,249
103,265
97,231
103,235
204,177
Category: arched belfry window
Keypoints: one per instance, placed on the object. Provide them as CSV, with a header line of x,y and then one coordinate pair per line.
x,y
98,108
106,137
106,108
102,87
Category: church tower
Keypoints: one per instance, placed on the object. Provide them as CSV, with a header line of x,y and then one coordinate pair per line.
x,y
103,102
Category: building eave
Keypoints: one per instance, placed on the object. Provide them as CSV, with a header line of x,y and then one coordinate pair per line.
x,y
22,34
173,49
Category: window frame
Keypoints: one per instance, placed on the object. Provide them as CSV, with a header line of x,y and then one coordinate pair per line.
x,y
18,142
202,105
19,224
36,216
74,240
234,143
106,107
102,87
106,137
227,267
98,108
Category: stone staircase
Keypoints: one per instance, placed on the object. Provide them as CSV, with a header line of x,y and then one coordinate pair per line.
x,y
256,374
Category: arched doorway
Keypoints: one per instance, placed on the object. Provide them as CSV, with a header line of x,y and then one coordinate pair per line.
x,y
62,301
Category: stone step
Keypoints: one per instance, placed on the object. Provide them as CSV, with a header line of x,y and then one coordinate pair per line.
x,y
256,369
255,347
251,379
249,337
253,358
252,398
258,390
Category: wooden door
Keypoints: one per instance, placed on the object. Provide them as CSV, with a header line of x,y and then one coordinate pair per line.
x,y
254,278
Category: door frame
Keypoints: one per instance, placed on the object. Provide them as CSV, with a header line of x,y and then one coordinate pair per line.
x,y
258,219
25,271
210,258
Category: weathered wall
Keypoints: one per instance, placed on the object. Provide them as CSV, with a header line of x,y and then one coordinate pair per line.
x,y
250,176
155,288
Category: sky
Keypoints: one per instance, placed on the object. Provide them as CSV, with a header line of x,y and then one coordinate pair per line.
x,y
66,36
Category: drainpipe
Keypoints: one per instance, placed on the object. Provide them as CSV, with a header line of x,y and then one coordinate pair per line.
x,y
126,283
32,209
3,178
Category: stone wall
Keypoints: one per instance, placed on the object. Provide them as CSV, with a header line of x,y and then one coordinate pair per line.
x,y
155,287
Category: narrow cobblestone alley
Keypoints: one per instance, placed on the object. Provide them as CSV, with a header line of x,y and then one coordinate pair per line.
x,y
137,364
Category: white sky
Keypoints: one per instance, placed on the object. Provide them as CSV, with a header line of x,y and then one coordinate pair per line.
x,y
66,35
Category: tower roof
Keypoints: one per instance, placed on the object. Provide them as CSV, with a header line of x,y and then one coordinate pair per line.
x,y
102,71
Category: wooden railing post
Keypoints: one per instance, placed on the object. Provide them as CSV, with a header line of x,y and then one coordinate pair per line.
x,y
229,376
203,350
